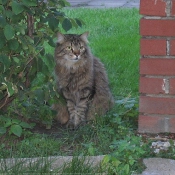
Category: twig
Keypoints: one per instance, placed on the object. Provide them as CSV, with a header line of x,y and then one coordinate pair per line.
x,y
159,139
4,102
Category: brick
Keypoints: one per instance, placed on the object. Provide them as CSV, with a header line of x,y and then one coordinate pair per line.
x,y
157,105
173,8
172,125
172,47
150,124
153,47
151,85
157,27
152,7
172,86
159,66
157,113
156,124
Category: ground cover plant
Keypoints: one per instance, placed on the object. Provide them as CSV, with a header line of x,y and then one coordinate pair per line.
x,y
114,37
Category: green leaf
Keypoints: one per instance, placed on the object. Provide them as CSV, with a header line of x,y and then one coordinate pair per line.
x,y
13,44
2,21
36,40
49,61
15,121
40,95
115,162
4,2
91,151
67,25
16,130
42,52
8,123
4,59
30,2
106,159
39,80
44,69
51,42
23,41
53,23
74,23
9,32
17,8
29,40
21,28
64,3
16,59
67,3
78,22
1,8
25,125
9,13
129,106
126,168
3,130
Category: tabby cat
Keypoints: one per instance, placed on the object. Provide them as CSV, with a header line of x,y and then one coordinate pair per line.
x,y
81,79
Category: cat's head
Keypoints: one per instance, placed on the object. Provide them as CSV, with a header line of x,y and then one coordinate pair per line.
x,y
72,46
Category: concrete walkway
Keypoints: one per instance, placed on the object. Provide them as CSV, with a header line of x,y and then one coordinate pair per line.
x,y
159,166
155,166
105,3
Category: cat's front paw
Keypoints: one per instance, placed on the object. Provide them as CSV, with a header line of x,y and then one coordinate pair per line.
x,y
75,123
70,124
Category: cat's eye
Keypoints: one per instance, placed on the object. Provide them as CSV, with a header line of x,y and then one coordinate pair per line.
x,y
68,48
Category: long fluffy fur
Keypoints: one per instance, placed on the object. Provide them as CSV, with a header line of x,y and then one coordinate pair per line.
x,y
83,83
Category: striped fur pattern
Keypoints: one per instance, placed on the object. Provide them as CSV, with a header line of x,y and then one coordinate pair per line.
x,y
81,79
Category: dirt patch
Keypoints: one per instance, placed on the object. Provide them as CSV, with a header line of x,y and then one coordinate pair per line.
x,y
56,130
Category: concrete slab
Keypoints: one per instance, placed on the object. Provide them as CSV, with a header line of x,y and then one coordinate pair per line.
x,y
159,166
155,166
105,3
55,162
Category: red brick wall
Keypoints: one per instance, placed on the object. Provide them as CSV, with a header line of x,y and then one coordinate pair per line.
x,y
157,66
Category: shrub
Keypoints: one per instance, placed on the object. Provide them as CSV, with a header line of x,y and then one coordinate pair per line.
x,y
26,68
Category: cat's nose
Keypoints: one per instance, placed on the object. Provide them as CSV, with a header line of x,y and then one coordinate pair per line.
x,y
76,53
76,57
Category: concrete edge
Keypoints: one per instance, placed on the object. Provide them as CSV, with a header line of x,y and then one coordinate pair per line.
x,y
54,161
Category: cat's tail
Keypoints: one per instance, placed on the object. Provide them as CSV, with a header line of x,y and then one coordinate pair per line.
x,y
62,113
100,106
103,100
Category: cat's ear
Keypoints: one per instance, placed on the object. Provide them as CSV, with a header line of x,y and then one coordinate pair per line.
x,y
60,38
84,37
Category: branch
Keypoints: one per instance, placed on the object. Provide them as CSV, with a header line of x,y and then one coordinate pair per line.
x,y
4,102
30,25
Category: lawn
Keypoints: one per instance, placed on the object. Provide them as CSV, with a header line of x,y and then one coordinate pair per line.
x,y
114,38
